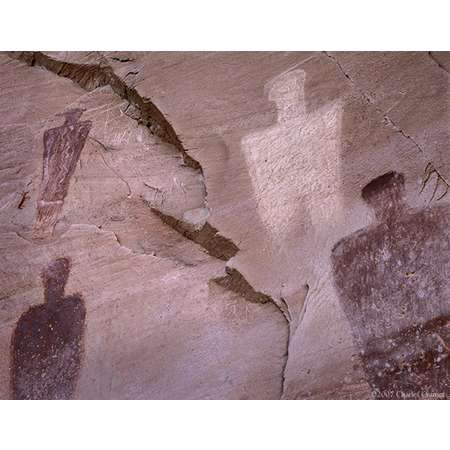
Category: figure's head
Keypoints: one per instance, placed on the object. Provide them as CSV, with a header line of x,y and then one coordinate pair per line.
x,y
385,195
72,115
287,92
55,277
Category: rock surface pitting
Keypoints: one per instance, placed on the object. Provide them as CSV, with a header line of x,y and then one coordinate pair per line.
x,y
201,215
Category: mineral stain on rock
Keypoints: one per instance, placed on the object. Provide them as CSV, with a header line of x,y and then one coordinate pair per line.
x,y
62,149
393,283
46,347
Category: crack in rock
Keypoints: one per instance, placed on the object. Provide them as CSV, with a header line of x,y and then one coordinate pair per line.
x,y
222,248
436,61
388,120
286,357
429,171
234,281
207,237
109,167
93,76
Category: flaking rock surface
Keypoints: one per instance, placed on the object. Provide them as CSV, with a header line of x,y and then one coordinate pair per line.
x,y
209,217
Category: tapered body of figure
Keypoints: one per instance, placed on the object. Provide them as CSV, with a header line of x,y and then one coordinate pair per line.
x,y
62,149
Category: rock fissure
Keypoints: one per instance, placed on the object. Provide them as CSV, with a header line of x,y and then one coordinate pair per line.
x,y
286,359
207,237
389,122
234,281
110,168
93,76
439,64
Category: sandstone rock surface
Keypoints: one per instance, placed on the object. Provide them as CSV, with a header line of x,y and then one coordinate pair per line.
x,y
203,209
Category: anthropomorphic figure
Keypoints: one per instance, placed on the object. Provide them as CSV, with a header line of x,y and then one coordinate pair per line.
x,y
46,346
62,149
393,280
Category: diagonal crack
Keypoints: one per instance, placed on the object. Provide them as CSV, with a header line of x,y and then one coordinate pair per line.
x,y
222,248
436,61
235,282
93,76
109,167
208,237
388,121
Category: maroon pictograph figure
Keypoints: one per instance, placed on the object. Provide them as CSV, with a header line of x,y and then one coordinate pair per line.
x,y
393,280
46,347
62,149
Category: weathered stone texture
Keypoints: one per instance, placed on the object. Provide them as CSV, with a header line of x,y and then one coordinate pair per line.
x,y
215,219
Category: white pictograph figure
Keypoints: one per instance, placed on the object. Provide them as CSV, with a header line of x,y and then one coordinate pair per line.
x,y
294,165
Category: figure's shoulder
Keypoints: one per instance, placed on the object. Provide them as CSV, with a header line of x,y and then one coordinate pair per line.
x,y
34,313
84,126
31,322
61,130
430,219
74,303
435,218
53,131
354,241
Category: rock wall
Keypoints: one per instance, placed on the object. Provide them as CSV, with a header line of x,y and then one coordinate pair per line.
x,y
208,209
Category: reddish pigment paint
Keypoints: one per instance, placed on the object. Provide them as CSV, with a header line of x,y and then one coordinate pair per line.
x,y
62,149
46,346
393,282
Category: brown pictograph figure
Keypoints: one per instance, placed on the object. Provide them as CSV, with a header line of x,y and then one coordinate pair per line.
x,y
62,149
46,347
393,280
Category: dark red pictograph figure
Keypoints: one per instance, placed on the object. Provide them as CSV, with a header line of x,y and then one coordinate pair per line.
x,y
47,342
62,149
393,280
